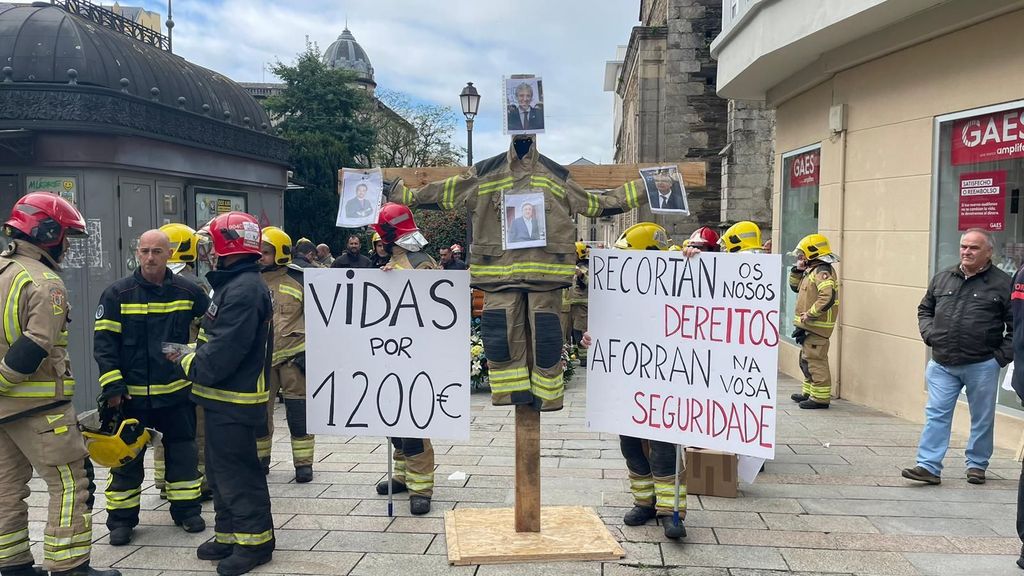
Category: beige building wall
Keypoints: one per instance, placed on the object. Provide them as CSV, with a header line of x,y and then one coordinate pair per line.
x,y
875,200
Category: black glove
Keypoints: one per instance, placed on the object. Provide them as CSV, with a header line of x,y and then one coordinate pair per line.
x,y
300,362
799,335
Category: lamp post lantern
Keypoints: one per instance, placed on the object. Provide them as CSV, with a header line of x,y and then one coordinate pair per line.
x,y
470,99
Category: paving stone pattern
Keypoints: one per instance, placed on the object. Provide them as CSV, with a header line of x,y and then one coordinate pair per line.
x,y
832,502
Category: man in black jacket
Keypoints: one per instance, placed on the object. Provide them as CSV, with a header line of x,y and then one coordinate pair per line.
x,y
229,373
135,316
1017,298
353,256
966,319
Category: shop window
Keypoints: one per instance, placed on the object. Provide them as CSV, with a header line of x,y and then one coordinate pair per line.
x,y
980,170
798,219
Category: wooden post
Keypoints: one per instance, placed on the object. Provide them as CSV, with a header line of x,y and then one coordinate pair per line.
x,y
527,469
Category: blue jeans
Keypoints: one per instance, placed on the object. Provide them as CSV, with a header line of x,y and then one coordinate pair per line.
x,y
944,384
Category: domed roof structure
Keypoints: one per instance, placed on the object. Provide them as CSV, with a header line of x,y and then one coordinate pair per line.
x,y
346,54
43,43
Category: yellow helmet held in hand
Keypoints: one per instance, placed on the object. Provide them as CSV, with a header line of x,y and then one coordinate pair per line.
x,y
742,236
115,449
281,242
815,247
643,236
582,251
184,243
677,247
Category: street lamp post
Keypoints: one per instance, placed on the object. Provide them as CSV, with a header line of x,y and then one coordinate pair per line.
x,y
470,105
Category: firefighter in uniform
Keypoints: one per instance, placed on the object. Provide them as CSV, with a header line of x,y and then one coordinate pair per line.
x,y
228,371
651,464
288,371
414,457
38,428
184,256
522,287
135,317
817,306
578,298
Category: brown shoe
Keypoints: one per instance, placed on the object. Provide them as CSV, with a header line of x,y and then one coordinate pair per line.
x,y
975,476
919,474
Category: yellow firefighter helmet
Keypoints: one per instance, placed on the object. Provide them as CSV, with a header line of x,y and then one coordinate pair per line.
x,y
113,449
184,243
582,251
643,236
815,247
281,242
741,237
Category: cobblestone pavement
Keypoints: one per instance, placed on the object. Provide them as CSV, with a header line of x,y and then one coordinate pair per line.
x,y
832,502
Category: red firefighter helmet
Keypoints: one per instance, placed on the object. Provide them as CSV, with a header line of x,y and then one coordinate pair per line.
x,y
46,219
393,222
705,239
235,233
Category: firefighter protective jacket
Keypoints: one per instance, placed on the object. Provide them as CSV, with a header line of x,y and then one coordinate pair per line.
x,y
285,283
402,259
229,368
578,291
483,190
35,370
133,320
817,296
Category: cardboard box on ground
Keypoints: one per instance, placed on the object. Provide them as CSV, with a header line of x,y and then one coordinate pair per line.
x,y
711,473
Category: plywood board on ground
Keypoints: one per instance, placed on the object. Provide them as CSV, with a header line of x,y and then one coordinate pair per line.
x,y
488,536
596,177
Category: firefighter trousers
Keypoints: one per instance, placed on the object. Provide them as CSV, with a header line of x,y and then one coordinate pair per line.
x,y
652,474
241,500
291,382
522,334
414,465
49,442
814,365
160,463
177,424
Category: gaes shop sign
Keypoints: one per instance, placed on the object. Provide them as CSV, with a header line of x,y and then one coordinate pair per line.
x,y
987,138
803,171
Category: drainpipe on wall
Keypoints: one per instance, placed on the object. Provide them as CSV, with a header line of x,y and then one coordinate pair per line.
x,y
837,124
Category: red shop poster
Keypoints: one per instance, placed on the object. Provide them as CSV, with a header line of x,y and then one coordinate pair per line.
x,y
803,170
983,200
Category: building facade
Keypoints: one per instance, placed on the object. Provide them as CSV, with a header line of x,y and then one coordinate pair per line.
x,y
667,110
899,123
133,135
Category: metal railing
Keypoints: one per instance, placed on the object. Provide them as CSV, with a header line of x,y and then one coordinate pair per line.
x,y
114,21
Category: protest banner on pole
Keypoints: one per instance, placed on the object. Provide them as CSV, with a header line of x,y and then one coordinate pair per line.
x,y
387,353
685,350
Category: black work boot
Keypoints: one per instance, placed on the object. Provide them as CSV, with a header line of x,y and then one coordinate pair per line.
x,y
419,505
192,524
22,570
304,474
799,397
242,562
812,405
671,530
86,570
120,536
214,550
396,487
639,515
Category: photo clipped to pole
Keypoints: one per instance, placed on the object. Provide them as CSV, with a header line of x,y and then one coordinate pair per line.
x,y
665,190
360,193
685,350
524,105
387,352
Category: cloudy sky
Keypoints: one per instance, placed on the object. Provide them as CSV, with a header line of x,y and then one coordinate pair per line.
x,y
430,49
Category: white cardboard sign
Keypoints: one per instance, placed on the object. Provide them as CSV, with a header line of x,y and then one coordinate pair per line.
x,y
685,350
387,353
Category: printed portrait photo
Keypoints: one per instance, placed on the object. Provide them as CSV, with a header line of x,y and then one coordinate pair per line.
x,y
524,225
361,192
665,190
524,105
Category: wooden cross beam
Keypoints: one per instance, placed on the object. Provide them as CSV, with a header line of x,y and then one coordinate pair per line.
x,y
594,177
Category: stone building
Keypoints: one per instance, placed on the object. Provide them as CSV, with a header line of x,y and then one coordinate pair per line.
x,y
667,110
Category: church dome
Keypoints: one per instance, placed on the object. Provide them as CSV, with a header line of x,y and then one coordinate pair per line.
x,y
346,54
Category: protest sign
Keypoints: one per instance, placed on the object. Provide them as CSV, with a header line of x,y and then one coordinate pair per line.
x,y
685,350
387,353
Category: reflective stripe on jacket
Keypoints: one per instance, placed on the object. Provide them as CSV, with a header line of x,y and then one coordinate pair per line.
x,y
289,323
